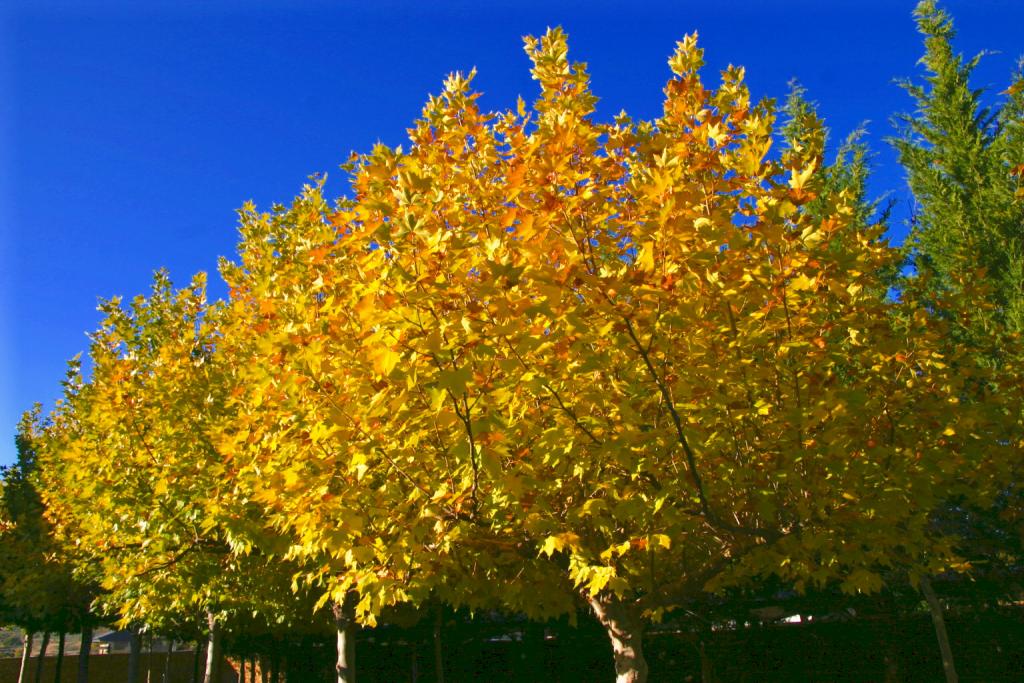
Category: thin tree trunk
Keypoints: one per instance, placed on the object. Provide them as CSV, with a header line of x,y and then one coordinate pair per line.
x,y
345,624
83,654
625,630
134,655
42,654
252,669
935,607
167,661
213,654
707,669
26,655
439,644
59,664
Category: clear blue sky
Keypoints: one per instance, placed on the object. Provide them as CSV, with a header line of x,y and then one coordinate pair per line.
x,y
131,131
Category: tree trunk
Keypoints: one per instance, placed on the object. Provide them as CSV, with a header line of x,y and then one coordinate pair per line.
x,y
59,664
707,669
26,655
252,669
83,654
213,655
167,662
134,655
345,623
935,607
42,654
625,630
439,645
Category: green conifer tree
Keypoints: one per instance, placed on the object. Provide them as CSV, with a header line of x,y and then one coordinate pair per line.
x,y
964,162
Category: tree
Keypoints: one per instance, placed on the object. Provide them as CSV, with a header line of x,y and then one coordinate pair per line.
x,y
38,585
631,361
134,477
965,163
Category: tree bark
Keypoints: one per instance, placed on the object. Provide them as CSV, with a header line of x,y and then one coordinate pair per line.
x,y
213,653
59,664
26,655
42,654
345,623
167,662
439,644
135,654
83,654
707,669
939,622
625,630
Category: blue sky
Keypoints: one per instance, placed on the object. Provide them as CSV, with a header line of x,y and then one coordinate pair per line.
x,y
131,131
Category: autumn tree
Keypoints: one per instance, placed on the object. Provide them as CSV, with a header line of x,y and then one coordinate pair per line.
x,y
546,361
38,583
134,477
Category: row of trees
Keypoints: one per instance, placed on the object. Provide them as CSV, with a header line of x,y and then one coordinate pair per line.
x,y
538,362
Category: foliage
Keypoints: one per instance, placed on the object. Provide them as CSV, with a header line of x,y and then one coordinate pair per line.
x,y
629,349
136,481
37,587
965,163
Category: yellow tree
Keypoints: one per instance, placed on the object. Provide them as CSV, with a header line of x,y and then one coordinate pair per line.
x,y
134,481
38,586
537,359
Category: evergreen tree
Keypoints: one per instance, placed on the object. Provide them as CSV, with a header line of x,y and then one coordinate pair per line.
x,y
964,162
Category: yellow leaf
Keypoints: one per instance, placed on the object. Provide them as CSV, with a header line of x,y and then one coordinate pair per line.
x,y
802,282
798,179
645,257
385,360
